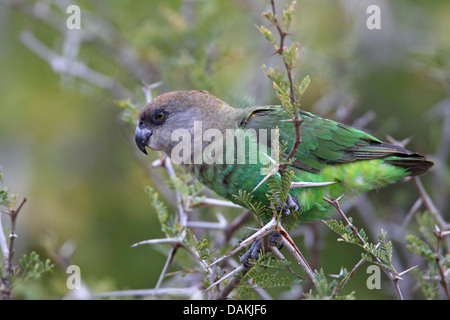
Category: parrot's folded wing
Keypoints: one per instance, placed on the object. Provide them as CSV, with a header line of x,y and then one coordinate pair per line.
x,y
326,141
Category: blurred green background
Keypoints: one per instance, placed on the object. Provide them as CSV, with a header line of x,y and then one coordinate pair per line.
x,y
64,146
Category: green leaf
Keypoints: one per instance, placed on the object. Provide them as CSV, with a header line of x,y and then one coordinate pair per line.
x,y
301,88
130,110
288,14
245,199
344,231
31,267
4,198
420,248
268,34
167,220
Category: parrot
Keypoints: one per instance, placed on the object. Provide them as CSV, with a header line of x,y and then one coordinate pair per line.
x,y
336,157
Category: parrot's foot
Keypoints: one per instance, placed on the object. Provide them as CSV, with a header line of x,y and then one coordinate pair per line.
x,y
291,203
253,252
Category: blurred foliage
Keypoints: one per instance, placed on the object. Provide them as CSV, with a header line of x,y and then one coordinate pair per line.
x,y
64,146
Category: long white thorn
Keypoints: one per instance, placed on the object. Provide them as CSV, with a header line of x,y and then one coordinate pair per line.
x,y
225,277
306,184
271,173
259,234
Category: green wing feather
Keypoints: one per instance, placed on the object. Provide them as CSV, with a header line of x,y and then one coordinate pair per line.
x,y
326,141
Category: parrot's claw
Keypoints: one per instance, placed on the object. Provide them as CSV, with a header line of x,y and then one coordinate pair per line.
x,y
253,252
291,203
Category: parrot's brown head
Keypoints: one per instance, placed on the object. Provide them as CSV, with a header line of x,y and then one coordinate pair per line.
x,y
171,111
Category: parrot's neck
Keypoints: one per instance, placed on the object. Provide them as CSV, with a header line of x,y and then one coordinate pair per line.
x,y
212,139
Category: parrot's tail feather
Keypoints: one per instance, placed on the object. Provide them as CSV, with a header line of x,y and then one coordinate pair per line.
x,y
416,165
398,156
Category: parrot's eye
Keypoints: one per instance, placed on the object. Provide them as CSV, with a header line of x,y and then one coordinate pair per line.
x,y
159,117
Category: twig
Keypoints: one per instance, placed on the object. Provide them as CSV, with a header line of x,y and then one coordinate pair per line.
x,y
63,65
412,212
166,267
429,203
439,236
443,225
9,263
3,242
441,112
236,224
95,30
298,140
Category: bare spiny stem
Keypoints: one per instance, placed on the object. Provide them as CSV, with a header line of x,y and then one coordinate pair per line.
x,y
298,139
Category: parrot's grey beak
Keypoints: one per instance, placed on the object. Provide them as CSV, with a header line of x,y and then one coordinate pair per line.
x,y
142,137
